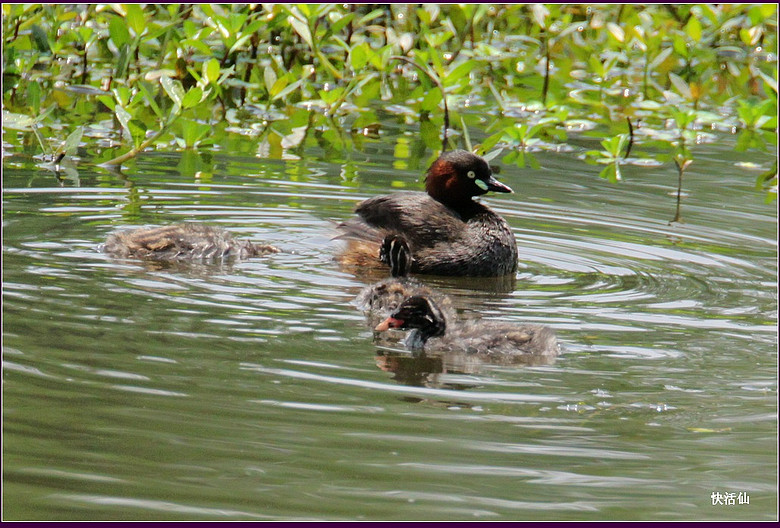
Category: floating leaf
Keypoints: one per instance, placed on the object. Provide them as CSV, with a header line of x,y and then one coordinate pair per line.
x,y
17,121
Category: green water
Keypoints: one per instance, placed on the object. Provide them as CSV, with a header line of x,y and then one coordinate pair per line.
x,y
254,391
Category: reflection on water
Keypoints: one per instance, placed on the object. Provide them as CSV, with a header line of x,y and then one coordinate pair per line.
x,y
255,389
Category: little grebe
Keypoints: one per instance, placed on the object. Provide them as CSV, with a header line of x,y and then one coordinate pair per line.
x,y
495,341
179,242
449,233
382,298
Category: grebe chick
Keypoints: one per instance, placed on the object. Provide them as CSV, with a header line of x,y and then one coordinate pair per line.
x,y
380,299
495,341
180,242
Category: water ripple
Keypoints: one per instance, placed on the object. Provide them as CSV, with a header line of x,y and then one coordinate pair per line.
x,y
400,389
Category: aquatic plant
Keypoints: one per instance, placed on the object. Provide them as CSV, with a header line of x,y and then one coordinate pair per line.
x,y
518,77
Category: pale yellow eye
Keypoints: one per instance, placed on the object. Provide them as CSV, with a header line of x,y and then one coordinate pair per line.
x,y
471,174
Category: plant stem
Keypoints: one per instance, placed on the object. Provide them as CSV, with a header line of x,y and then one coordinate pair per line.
x,y
680,171
546,84
630,137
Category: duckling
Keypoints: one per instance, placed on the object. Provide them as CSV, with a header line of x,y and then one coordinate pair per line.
x,y
451,233
179,242
494,341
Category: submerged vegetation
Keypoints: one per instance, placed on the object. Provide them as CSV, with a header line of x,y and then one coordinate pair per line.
x,y
107,81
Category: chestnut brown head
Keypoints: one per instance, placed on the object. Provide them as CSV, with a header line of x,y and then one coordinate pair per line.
x,y
458,175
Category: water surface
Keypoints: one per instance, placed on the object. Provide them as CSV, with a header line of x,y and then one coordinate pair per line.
x,y
254,390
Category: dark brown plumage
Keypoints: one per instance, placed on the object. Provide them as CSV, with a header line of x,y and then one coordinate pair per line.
x,y
449,233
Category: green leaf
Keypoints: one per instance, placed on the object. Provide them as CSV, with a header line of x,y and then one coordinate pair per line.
x,y
269,76
611,172
192,98
660,58
135,18
40,39
302,29
149,97
767,10
108,101
693,28
287,89
211,70
752,35
596,65
72,142
376,13
491,141
767,179
770,81
681,85
123,61
461,70
193,132
17,121
339,24
358,56
680,45
173,89
123,116
34,97
85,32
198,45
616,31
431,100
137,131
279,85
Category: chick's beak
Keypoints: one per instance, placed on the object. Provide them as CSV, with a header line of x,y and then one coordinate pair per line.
x,y
389,323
